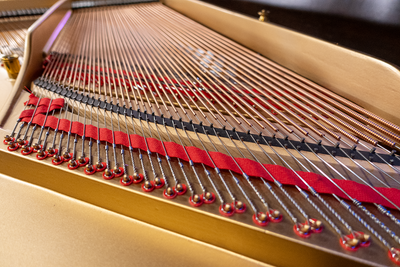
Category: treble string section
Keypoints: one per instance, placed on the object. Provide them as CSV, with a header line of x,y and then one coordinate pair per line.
x,y
280,75
158,181
299,188
228,207
353,147
148,185
300,139
240,206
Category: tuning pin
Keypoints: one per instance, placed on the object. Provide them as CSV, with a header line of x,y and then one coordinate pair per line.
x,y
126,180
196,200
72,164
137,177
117,170
240,207
108,174
100,166
209,198
20,142
302,229
12,146
57,160
169,193
66,156
51,151
82,161
365,239
89,169
148,186
227,209
180,189
36,147
316,225
158,182
260,218
7,139
41,154
26,150
275,215
349,242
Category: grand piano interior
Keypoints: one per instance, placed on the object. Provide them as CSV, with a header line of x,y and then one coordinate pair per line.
x,y
59,215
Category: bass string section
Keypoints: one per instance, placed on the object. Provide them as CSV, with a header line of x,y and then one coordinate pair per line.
x,y
142,94
12,34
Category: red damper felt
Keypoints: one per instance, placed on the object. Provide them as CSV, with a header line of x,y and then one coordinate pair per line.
x,y
256,221
301,234
121,181
139,180
196,204
57,162
161,184
27,152
184,189
108,177
243,209
393,258
67,159
41,158
73,168
104,166
212,200
272,219
120,173
227,214
148,189
171,196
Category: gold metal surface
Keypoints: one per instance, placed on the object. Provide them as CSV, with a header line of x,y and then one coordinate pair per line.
x,y
11,64
42,228
263,15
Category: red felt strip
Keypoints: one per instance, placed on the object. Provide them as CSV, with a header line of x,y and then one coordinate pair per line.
x,y
283,175
33,101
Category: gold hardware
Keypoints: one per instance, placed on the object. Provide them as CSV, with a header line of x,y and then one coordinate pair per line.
x,y
11,64
263,15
